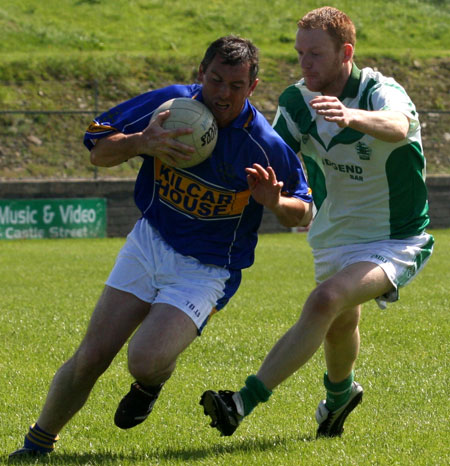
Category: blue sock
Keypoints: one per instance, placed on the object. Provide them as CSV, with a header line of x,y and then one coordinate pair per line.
x,y
38,439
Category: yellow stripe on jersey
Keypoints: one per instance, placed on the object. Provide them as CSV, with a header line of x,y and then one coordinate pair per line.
x,y
95,127
195,197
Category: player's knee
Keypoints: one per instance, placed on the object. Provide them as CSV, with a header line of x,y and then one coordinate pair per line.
x,y
149,366
325,300
139,368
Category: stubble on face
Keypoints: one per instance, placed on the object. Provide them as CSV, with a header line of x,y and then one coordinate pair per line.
x,y
322,65
225,89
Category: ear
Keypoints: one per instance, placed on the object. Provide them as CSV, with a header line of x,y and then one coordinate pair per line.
x,y
348,52
252,87
200,73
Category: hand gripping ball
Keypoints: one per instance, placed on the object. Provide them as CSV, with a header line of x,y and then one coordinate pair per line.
x,y
185,112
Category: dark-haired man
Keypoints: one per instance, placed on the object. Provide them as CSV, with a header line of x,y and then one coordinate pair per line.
x,y
182,261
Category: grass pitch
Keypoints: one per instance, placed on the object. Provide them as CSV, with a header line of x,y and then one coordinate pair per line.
x,y
49,288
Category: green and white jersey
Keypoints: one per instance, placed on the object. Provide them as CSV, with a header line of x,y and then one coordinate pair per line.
x,y
364,189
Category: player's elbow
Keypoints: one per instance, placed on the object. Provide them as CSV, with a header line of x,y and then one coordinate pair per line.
x,y
99,158
306,217
94,158
397,136
399,129
298,214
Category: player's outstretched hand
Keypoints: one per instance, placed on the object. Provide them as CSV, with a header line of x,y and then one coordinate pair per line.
x,y
263,185
162,143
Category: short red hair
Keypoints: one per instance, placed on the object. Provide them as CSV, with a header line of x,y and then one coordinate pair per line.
x,y
335,22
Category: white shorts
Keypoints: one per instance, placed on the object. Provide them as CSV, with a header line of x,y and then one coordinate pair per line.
x,y
152,270
401,260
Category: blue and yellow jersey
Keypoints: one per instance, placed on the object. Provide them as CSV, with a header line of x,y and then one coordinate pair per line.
x,y
206,211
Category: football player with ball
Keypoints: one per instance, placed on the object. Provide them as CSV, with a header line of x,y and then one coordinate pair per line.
x,y
183,259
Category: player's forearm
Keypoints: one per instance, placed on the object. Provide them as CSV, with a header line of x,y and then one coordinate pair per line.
x,y
385,125
293,212
115,149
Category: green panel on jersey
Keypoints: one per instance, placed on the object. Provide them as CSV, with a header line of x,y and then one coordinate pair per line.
x,y
349,135
352,86
365,102
407,191
316,179
294,103
346,136
281,128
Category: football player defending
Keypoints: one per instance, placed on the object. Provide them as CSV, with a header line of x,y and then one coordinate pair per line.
x,y
183,259
359,136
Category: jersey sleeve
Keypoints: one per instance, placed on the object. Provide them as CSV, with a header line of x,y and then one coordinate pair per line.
x,y
119,118
389,95
134,114
282,127
283,122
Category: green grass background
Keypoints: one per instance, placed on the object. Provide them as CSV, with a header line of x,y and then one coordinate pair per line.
x,y
49,288
176,27
51,51
157,39
89,55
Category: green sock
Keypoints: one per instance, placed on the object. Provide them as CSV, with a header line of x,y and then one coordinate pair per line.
x,y
337,393
253,393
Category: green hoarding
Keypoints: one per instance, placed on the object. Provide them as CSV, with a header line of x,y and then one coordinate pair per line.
x,y
52,218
